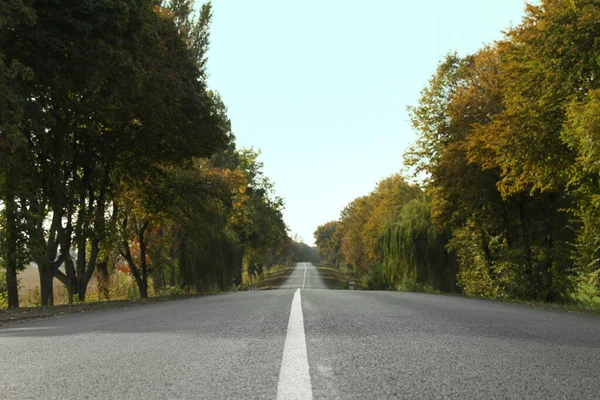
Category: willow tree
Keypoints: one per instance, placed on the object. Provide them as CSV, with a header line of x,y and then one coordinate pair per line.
x,y
414,252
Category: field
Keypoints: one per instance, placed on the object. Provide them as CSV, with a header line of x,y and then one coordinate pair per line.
x,y
121,286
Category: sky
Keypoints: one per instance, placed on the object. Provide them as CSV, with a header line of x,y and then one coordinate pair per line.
x,y
321,86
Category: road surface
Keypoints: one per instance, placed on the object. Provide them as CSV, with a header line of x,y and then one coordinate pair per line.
x,y
305,343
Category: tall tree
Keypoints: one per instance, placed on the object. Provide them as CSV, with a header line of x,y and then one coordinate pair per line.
x,y
13,76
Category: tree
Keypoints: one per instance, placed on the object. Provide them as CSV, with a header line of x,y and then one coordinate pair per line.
x,y
328,242
470,123
582,134
415,253
13,75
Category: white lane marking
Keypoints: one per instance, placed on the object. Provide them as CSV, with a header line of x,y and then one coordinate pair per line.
x,y
294,376
304,280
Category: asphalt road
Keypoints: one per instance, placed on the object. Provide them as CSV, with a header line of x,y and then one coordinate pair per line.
x,y
305,276
307,342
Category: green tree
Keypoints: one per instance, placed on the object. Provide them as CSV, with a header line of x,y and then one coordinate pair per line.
x,y
327,240
415,253
13,76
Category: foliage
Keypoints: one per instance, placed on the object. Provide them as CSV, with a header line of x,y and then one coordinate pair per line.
x,y
3,301
508,152
3,296
327,240
414,251
497,170
113,152
356,239
374,279
301,252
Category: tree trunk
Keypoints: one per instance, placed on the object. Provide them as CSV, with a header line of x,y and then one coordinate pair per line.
x,y
46,285
69,282
141,279
102,275
81,243
11,251
12,286
237,275
71,279
144,289
84,280
144,265
173,275
528,270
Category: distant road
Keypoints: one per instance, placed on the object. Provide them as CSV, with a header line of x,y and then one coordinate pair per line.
x,y
305,276
303,343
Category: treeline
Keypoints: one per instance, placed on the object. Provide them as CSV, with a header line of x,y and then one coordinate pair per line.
x,y
113,150
388,238
509,145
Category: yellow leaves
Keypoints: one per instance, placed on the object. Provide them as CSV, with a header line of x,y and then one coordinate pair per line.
x,y
363,221
163,12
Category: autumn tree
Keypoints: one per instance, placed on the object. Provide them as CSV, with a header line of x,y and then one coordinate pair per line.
x,y
327,240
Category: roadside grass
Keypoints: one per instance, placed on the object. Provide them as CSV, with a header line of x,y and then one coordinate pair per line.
x,y
580,303
274,277
580,307
28,313
585,300
337,278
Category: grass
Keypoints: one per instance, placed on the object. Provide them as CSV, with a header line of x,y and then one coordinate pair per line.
x,y
574,307
121,287
587,295
585,300
274,277
27,313
337,279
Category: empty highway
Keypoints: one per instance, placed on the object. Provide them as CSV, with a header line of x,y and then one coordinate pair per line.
x,y
304,341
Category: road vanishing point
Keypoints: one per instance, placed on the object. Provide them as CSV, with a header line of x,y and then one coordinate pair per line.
x,y
304,341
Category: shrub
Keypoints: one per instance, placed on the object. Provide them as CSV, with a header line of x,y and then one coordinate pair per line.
x,y
3,301
374,279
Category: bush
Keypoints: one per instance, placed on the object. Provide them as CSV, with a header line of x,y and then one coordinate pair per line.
x,y
3,288
374,279
3,301
33,297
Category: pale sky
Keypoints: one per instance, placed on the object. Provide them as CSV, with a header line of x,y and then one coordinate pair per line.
x,y
321,86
